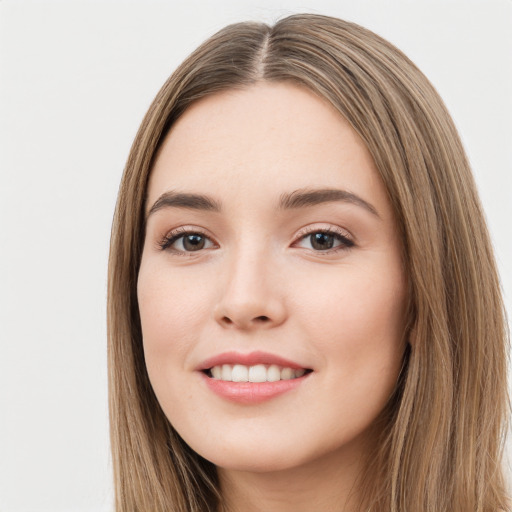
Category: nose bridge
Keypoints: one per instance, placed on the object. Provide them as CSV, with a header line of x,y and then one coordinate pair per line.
x,y
249,296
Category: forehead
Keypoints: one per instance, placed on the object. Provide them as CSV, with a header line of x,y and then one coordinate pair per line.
x,y
265,139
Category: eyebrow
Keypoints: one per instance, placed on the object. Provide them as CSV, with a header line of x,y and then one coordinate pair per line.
x,y
173,199
307,197
301,198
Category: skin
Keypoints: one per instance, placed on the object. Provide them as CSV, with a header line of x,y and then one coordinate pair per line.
x,y
259,283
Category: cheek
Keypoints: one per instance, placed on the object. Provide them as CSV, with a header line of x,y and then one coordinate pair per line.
x,y
358,331
171,311
356,321
357,297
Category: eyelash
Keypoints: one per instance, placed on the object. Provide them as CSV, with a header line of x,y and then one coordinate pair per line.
x,y
340,235
172,237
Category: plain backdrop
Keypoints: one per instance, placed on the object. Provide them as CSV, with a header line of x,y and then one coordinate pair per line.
x,y
76,78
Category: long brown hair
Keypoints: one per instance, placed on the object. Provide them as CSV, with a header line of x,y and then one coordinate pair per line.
x,y
441,436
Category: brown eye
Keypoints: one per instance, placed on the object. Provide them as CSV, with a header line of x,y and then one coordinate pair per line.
x,y
193,242
322,241
185,242
325,241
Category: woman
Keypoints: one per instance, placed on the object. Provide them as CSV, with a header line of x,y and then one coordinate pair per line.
x,y
304,309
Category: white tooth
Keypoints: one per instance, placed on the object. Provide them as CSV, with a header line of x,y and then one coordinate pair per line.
x,y
240,373
287,373
258,373
227,372
217,372
273,373
299,373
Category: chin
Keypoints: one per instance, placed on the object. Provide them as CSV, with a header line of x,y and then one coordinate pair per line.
x,y
271,455
256,463
251,455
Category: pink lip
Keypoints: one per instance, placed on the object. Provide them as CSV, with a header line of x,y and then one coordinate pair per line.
x,y
249,392
250,359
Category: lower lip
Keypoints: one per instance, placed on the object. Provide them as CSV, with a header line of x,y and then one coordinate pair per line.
x,y
252,392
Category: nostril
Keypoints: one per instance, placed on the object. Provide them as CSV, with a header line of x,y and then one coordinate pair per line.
x,y
259,319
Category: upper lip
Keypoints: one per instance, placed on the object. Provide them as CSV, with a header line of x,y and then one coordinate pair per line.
x,y
250,359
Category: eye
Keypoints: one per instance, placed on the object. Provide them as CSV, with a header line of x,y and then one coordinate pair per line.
x,y
325,240
186,241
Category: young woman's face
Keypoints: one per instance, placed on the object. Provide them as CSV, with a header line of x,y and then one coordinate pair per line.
x,y
271,255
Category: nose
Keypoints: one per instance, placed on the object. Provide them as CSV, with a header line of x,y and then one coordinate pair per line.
x,y
250,295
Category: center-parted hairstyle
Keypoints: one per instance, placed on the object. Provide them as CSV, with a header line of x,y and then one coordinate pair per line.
x,y
439,440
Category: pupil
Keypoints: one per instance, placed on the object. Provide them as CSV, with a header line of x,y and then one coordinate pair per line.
x,y
322,241
193,242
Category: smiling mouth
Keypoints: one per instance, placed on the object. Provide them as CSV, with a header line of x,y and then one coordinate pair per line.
x,y
254,373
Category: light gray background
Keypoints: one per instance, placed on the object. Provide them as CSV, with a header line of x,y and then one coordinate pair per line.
x,y
75,81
